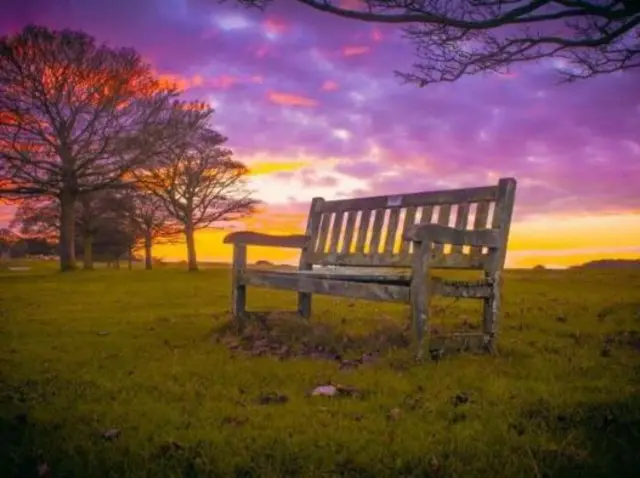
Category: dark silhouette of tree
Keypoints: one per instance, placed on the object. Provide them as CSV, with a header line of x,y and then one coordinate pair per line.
x,y
453,38
8,239
150,221
197,180
100,223
74,118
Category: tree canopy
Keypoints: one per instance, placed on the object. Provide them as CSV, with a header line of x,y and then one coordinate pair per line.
x,y
454,38
75,117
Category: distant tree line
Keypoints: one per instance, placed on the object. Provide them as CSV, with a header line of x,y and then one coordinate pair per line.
x,y
102,157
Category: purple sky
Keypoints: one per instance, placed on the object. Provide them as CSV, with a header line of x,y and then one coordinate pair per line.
x,y
295,85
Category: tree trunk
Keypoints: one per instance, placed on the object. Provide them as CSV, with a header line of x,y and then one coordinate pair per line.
x,y
191,248
148,261
67,231
116,264
130,258
87,253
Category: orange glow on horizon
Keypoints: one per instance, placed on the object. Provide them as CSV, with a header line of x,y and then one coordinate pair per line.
x,y
552,242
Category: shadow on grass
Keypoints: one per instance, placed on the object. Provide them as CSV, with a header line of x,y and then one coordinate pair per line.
x,y
285,335
595,439
586,440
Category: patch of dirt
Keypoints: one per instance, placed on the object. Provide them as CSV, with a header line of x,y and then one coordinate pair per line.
x,y
625,338
287,336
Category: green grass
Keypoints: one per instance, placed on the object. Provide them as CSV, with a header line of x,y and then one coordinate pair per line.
x,y
152,355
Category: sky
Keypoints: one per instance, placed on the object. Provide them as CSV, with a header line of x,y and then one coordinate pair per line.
x,y
310,103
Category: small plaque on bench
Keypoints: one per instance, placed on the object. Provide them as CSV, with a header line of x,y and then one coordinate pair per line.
x,y
394,201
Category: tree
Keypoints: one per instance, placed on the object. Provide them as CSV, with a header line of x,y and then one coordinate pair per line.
x,y
99,223
7,240
196,179
454,38
150,220
74,118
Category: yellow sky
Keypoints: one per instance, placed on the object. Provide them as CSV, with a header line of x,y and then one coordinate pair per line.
x,y
553,240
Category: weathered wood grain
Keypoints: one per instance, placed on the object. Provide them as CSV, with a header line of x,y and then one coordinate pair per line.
x,y
325,225
462,220
238,287
363,230
313,226
376,231
392,231
448,235
451,196
344,288
349,230
409,221
479,223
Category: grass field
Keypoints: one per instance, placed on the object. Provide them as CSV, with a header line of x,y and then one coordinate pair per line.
x,y
133,373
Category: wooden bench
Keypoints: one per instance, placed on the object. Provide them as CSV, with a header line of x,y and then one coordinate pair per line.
x,y
403,237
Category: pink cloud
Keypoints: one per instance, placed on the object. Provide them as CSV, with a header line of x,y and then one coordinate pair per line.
x,y
274,26
289,99
355,50
329,85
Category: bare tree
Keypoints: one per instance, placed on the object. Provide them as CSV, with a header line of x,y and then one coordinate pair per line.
x,y
8,238
453,38
74,118
150,221
197,180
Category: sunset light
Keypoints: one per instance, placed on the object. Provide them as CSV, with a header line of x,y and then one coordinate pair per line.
x,y
313,114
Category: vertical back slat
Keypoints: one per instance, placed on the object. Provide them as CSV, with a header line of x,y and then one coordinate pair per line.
x,y
425,215
462,221
335,232
502,213
480,222
325,224
348,231
378,222
392,231
409,221
313,226
363,229
443,220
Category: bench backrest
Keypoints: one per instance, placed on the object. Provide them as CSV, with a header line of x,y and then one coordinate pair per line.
x,y
368,232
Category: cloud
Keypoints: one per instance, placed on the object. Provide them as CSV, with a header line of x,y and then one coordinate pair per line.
x,y
289,99
355,50
329,85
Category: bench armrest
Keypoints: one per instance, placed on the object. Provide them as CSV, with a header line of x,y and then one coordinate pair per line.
x,y
448,235
297,241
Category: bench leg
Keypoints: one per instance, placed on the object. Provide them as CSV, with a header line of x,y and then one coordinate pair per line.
x,y
238,301
238,288
419,294
491,312
304,304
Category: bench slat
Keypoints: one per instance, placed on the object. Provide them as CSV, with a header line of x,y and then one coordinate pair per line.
x,y
335,232
480,222
443,219
376,233
432,198
462,220
392,231
409,221
369,286
325,224
348,231
363,230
